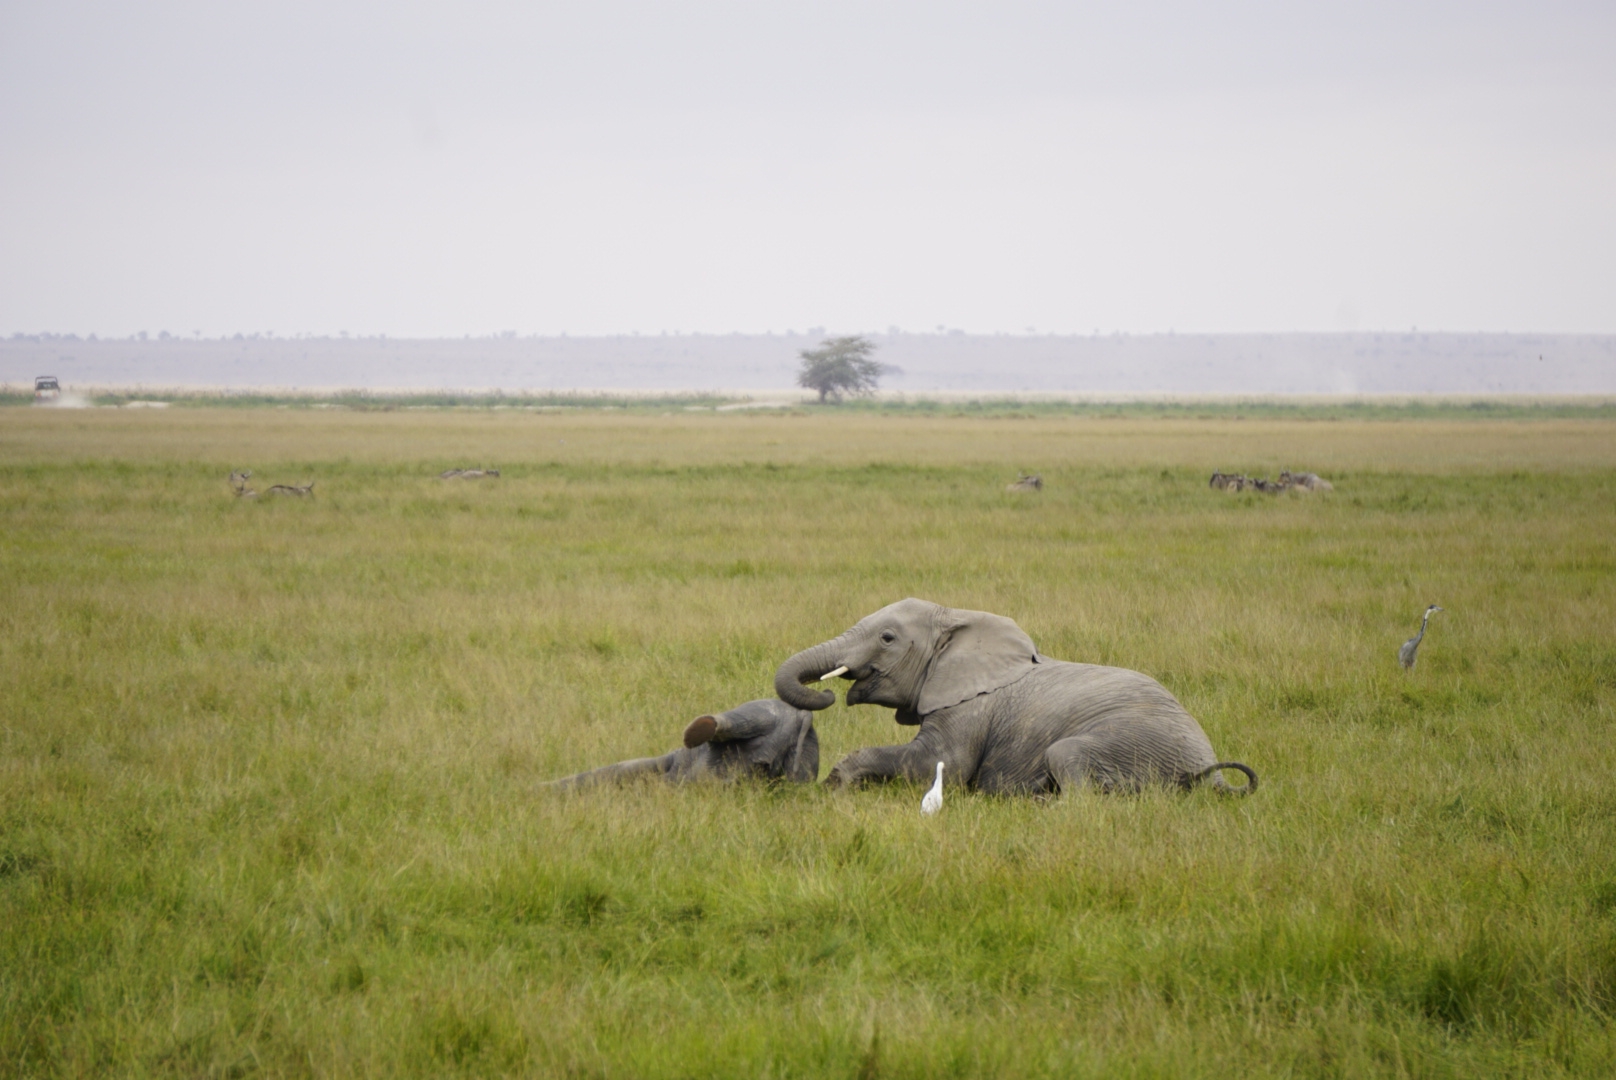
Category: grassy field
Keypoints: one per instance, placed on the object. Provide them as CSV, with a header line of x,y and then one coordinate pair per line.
x,y
268,769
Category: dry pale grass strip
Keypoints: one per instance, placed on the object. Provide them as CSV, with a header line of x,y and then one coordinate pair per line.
x,y
230,437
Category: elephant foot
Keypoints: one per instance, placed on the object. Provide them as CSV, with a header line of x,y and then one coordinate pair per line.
x,y
701,731
842,778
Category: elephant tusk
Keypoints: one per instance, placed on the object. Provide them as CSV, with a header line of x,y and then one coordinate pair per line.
x,y
832,674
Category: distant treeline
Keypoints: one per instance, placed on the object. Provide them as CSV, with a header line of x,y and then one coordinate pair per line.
x,y
946,366
985,407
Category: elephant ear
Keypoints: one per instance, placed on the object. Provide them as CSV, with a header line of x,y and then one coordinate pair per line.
x,y
976,653
701,731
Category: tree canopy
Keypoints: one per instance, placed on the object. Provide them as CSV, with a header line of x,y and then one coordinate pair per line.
x,y
840,365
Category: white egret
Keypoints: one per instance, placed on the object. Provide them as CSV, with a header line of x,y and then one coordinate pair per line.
x,y
933,801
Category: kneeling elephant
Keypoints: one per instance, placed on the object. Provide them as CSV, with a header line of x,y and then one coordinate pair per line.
x,y
766,739
1000,716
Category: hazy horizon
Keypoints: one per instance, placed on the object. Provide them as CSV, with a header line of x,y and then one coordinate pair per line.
x,y
423,170
1110,364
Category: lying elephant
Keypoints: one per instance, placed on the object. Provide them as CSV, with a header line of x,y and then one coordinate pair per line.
x,y
1003,718
766,739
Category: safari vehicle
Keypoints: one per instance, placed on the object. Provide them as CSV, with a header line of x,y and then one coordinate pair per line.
x,y
46,390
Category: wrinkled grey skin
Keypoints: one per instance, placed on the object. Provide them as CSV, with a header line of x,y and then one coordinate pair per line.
x,y
766,739
1002,718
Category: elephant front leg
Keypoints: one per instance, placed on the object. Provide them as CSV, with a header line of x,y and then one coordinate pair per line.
x,y
909,762
871,763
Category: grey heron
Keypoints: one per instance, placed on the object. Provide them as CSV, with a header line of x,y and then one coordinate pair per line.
x,y
1406,655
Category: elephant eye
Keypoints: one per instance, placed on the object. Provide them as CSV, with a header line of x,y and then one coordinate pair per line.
x,y
888,637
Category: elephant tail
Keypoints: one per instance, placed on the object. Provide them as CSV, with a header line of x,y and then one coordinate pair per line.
x,y
1217,781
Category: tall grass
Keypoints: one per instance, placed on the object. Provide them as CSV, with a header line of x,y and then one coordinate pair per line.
x,y
268,770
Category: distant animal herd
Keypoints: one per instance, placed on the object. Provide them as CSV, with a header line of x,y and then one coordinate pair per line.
x,y
242,488
239,484
1221,481
1287,481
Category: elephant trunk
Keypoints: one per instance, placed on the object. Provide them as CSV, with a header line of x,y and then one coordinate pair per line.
x,y
806,667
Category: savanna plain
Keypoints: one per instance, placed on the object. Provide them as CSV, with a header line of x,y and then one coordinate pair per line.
x,y
269,769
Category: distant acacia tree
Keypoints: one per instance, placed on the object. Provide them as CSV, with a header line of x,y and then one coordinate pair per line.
x,y
840,366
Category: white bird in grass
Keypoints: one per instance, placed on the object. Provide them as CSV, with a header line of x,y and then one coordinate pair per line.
x,y
933,801
1406,655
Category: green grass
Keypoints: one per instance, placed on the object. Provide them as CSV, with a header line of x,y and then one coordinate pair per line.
x,y
268,770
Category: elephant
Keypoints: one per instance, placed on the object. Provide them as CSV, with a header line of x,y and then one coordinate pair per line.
x,y
766,739
1004,719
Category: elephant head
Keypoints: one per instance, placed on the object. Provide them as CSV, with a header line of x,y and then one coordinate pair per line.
x,y
913,656
765,740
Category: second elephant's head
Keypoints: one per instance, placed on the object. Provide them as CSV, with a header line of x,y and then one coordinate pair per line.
x,y
913,656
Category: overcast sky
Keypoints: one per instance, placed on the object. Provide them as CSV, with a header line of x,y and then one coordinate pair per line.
x,y
606,167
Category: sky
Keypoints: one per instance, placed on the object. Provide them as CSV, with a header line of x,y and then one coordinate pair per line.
x,y
421,169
